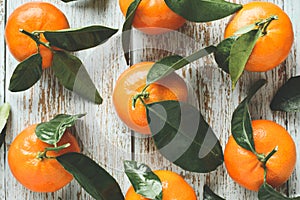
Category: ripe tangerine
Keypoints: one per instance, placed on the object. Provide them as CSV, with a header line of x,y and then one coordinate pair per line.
x,y
174,187
33,16
272,48
131,82
244,167
153,16
36,174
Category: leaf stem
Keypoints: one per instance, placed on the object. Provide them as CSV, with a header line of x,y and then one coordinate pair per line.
x,y
43,154
36,37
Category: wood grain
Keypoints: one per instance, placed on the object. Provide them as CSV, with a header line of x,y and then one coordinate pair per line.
x,y
103,136
2,94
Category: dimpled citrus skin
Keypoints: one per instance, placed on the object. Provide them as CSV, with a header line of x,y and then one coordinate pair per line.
x,y
33,16
271,49
244,167
153,16
174,188
39,175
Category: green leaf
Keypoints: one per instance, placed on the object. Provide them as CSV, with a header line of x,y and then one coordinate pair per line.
x,y
208,194
222,53
167,65
266,192
93,178
127,26
52,131
287,97
240,53
163,67
4,114
190,144
203,10
79,39
26,74
241,125
245,29
72,75
143,180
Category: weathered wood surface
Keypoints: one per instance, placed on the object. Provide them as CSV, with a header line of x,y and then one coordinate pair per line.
x,y
109,141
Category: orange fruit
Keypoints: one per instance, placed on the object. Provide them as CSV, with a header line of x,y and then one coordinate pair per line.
x,y
174,188
153,16
244,167
131,82
33,16
36,174
271,48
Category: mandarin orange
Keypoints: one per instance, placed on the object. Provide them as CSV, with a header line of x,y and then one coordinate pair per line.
x,y
39,174
244,167
131,82
153,16
33,16
174,188
273,47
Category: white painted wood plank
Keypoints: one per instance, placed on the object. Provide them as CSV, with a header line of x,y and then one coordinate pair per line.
x,y
2,94
293,119
101,137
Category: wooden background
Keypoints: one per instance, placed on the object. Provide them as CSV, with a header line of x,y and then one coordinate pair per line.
x,y
103,136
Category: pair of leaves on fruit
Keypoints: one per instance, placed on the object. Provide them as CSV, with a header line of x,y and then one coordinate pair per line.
x,y
148,184
4,114
233,53
190,144
191,10
242,132
266,192
86,171
287,97
69,69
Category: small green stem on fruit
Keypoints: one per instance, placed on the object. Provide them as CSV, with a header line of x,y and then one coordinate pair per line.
x,y
140,96
43,154
265,160
32,36
263,25
36,37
